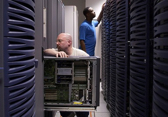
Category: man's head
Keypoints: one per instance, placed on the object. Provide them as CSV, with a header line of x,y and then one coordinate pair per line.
x,y
64,42
88,12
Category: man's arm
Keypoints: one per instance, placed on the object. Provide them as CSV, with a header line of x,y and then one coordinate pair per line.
x,y
101,14
53,52
82,43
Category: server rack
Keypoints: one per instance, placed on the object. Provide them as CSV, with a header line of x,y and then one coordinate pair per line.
x,y
1,61
160,76
39,40
52,22
103,47
108,55
104,32
71,84
135,56
113,56
61,17
55,21
18,77
122,58
141,57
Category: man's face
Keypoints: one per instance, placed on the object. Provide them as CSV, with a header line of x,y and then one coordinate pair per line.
x,y
91,13
62,43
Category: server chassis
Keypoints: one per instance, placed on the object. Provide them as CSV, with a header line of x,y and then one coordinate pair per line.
x,y
71,84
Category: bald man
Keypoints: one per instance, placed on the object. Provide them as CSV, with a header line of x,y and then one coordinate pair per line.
x,y
64,47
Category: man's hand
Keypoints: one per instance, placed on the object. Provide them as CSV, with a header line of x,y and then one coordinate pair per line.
x,y
61,54
53,52
101,13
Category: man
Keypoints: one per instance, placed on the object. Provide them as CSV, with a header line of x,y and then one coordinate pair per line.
x,y
87,33
65,49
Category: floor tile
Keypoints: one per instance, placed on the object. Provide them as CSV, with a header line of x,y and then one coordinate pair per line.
x,y
102,108
102,114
